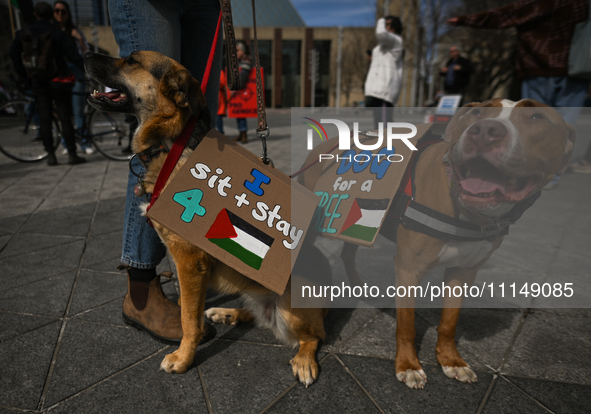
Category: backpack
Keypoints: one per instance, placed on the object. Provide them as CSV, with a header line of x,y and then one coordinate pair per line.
x,y
38,55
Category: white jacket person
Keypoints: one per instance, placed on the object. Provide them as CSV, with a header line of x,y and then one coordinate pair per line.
x,y
384,78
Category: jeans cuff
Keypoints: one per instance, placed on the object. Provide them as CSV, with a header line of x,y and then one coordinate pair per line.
x,y
128,262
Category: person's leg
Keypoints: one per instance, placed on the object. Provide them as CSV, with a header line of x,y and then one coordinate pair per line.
x,y
62,97
78,96
539,88
241,123
145,25
219,123
45,110
570,97
242,129
379,110
78,104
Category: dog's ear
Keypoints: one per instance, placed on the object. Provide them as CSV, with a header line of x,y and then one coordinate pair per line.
x,y
568,150
456,119
179,86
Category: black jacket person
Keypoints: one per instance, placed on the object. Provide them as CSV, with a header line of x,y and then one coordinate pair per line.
x,y
456,73
49,91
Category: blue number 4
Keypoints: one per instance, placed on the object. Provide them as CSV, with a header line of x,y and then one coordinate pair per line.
x,y
190,199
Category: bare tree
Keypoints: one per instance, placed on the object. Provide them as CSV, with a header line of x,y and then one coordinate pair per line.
x,y
492,52
355,63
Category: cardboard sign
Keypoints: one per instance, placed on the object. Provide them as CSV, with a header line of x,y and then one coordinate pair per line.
x,y
225,201
354,196
243,103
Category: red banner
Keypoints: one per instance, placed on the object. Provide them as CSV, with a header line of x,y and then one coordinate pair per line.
x,y
243,103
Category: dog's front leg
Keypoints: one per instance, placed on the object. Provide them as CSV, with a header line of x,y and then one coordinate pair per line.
x,y
448,356
408,367
193,266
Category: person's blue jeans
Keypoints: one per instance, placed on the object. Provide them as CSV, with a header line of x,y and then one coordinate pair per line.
x,y
78,102
219,123
242,126
565,94
78,95
183,30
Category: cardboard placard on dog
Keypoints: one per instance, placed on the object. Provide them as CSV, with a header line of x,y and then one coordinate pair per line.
x,y
357,187
225,201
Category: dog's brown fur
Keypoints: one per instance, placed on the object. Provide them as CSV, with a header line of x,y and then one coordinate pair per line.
x,y
163,95
548,152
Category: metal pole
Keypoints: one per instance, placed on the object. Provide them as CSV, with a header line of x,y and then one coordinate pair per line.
x,y
386,7
415,53
433,72
339,64
403,98
313,76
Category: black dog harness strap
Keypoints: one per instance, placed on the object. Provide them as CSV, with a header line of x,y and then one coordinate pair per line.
x,y
420,218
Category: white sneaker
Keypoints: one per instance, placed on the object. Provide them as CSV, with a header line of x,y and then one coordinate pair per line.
x,y
89,150
64,151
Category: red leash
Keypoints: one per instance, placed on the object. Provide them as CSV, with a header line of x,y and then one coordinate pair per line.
x,y
180,143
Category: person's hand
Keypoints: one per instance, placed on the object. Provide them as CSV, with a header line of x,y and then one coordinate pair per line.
x,y
444,70
452,22
76,35
457,67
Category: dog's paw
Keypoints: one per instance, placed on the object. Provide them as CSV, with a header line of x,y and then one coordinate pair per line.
x,y
174,364
221,315
462,374
304,369
413,378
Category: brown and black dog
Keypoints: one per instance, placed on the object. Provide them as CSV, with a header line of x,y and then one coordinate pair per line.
x,y
163,95
498,153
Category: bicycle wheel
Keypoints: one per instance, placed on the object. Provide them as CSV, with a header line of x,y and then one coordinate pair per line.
x,y
108,134
19,132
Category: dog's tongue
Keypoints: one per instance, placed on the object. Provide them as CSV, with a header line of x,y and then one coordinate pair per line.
x,y
478,185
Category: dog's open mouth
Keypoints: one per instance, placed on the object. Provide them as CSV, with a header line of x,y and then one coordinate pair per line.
x,y
482,183
114,97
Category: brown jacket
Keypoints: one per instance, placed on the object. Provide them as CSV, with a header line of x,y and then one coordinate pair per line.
x,y
544,28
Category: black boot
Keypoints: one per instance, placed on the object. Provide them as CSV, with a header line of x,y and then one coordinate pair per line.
x,y
51,160
73,158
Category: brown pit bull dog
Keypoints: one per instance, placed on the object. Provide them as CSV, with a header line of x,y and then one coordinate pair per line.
x,y
496,156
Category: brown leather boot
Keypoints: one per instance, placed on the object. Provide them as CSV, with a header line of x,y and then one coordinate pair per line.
x,y
241,137
146,307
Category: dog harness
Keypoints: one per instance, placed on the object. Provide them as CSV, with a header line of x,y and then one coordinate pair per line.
x,y
420,218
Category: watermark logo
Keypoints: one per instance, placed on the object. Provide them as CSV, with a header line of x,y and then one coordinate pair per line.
x,y
317,126
345,137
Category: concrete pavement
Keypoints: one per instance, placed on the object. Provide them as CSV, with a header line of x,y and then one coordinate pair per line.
x,y
65,349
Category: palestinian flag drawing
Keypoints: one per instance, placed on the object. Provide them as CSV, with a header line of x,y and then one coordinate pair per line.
x,y
364,218
239,238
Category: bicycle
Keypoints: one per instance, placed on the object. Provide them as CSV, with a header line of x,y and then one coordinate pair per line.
x,y
19,133
106,132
